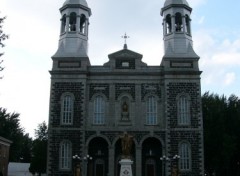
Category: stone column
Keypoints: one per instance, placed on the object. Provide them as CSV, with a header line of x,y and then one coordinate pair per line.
x,y
190,27
164,27
138,161
67,23
86,26
184,24
78,23
173,24
111,154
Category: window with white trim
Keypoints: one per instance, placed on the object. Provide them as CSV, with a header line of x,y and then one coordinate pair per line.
x,y
99,111
183,110
151,109
185,156
67,110
65,155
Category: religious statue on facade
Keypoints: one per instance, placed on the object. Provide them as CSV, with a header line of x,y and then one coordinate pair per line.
x,y
126,141
125,111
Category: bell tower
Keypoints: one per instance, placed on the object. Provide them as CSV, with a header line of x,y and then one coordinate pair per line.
x,y
73,41
178,45
182,91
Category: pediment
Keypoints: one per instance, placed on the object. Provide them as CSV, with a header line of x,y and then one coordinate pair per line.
x,y
125,54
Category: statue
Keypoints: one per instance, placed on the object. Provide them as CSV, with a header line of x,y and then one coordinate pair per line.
x,y
175,171
78,170
126,141
125,113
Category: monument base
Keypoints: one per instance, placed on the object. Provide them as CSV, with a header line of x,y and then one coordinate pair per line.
x,y
126,167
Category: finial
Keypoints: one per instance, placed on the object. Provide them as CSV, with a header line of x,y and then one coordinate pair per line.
x,y
125,40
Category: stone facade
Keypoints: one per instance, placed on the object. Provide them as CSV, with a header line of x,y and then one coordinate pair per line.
x,y
92,106
4,155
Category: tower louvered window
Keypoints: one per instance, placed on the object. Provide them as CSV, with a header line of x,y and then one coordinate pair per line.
x,y
183,110
185,156
99,109
151,118
67,110
65,155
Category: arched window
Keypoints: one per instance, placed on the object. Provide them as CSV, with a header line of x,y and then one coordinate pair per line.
x,y
65,155
72,22
151,118
168,24
67,110
188,24
178,22
63,27
185,156
183,110
99,110
82,24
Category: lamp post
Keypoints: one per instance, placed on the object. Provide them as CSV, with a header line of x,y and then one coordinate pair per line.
x,y
76,167
86,159
164,160
176,169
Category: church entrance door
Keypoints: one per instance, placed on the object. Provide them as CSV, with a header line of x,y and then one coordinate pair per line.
x,y
98,150
151,153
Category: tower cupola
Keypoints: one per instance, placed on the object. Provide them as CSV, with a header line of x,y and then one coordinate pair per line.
x,y
177,28
73,40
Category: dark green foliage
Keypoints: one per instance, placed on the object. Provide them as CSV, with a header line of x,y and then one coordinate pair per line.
x,y
10,129
39,150
221,117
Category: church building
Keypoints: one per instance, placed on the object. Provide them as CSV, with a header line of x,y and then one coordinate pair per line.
x,y
92,106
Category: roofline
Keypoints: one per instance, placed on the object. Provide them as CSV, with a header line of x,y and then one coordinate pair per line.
x,y
6,141
175,5
76,6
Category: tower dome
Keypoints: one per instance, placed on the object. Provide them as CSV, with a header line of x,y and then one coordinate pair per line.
x,y
175,2
81,2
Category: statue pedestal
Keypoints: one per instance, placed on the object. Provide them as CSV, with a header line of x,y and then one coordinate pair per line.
x,y
126,167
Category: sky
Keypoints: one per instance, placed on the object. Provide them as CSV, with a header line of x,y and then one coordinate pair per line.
x,y
34,28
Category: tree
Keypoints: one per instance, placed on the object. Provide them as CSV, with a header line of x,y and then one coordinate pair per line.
x,y
10,128
221,117
3,37
39,150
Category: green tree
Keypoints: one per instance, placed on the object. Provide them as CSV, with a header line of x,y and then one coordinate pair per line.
x,y
39,150
3,37
221,117
11,129
26,148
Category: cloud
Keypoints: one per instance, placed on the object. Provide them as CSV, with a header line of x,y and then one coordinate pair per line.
x,y
201,20
226,58
220,60
195,3
229,78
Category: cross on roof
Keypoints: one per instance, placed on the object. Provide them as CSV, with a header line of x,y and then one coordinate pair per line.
x,y
125,38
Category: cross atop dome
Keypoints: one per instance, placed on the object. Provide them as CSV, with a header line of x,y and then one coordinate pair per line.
x,y
125,40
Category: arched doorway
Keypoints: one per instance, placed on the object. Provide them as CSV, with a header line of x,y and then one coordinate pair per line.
x,y
98,149
151,153
118,154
